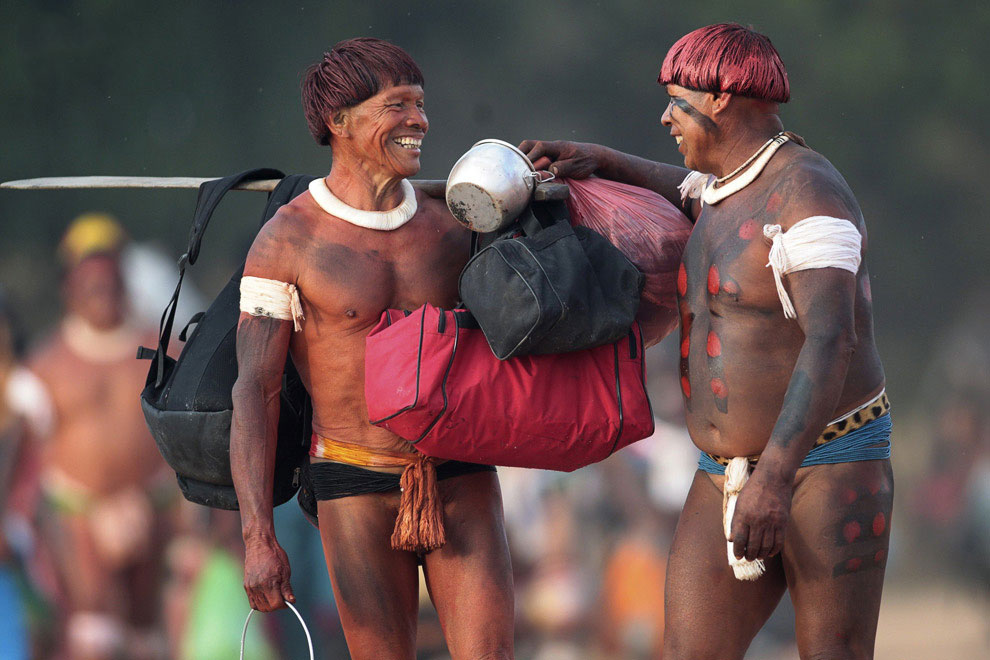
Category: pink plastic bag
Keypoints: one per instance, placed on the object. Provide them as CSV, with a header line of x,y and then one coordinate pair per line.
x,y
649,230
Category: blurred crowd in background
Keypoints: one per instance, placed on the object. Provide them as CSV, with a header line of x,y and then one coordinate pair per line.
x,y
100,557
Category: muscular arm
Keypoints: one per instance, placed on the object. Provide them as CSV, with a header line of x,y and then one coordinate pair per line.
x,y
579,160
262,348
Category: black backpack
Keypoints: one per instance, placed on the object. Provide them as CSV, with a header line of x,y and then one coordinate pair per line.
x,y
543,286
187,402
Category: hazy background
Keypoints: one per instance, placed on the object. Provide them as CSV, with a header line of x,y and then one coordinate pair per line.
x,y
893,93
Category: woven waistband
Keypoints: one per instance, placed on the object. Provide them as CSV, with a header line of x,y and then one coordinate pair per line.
x,y
857,418
419,525
352,454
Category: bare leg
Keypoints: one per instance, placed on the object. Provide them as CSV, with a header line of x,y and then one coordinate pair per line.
x,y
835,555
709,613
376,587
470,578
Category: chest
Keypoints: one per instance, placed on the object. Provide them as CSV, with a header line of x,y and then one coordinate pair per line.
x,y
353,277
725,261
97,390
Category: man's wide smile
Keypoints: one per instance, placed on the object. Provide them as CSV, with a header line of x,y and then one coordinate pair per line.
x,y
409,142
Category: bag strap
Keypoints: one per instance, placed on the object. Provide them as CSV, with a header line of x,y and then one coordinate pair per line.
x,y
210,194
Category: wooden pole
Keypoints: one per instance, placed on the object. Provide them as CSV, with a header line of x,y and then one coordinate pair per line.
x,y
432,187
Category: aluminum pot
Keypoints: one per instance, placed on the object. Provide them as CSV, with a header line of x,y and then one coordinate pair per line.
x,y
490,185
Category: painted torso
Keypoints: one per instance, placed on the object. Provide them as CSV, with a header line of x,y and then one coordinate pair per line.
x,y
737,351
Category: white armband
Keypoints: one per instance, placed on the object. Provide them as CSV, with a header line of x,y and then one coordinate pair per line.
x,y
692,185
816,242
271,298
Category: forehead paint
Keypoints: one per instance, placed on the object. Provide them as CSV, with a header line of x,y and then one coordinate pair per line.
x,y
695,114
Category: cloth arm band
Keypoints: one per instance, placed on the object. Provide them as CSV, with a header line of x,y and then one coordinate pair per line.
x,y
816,242
271,298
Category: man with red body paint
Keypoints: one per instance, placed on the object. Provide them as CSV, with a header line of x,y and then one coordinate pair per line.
x,y
789,387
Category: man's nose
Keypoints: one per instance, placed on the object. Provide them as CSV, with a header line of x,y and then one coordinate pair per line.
x,y
417,119
665,116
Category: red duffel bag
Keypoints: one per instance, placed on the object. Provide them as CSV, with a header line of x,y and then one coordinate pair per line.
x,y
431,378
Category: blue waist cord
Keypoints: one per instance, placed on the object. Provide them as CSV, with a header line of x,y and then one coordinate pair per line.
x,y
870,442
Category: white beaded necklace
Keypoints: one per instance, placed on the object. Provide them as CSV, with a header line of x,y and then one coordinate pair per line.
x,y
380,220
755,163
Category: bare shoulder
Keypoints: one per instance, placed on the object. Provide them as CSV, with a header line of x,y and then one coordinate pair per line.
x,y
812,186
436,210
279,244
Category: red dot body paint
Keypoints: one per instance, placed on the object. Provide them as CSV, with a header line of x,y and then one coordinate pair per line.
x,y
718,388
713,283
731,287
880,556
686,386
879,524
714,345
748,230
774,203
848,496
685,346
682,280
851,531
854,564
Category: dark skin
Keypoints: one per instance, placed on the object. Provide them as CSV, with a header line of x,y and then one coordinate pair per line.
x,y
347,276
754,382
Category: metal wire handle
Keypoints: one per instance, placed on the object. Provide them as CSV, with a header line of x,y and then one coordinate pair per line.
x,y
309,640
539,176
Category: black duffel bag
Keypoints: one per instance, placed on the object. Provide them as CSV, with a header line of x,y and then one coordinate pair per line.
x,y
187,402
543,286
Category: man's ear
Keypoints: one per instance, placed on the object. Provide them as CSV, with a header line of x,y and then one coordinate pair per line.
x,y
340,123
720,101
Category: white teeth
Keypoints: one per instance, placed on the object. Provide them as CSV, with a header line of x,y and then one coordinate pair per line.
x,y
408,142
678,139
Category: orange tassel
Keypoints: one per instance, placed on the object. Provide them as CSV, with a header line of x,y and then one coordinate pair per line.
x,y
419,525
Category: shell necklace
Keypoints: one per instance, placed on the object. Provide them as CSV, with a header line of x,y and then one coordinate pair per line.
x,y
755,165
380,220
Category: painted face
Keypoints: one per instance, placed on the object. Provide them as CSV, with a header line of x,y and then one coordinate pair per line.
x,y
690,126
387,130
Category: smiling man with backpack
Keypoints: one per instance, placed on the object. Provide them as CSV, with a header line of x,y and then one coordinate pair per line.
x,y
317,279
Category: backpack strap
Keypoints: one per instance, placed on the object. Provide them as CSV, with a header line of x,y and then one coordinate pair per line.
x,y
210,194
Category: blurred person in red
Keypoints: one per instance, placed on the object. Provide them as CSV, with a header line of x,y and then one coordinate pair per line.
x,y
780,374
104,485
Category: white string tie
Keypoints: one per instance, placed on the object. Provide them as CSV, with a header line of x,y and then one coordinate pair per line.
x,y
736,476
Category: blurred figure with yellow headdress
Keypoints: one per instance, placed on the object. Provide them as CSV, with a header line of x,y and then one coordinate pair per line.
x,y
105,487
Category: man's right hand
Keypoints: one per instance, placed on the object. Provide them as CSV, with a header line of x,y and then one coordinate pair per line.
x,y
266,575
572,160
